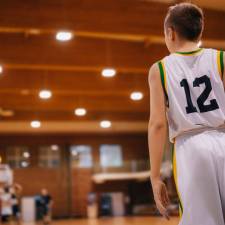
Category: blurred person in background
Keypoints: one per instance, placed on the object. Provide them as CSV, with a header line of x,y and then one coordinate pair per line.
x,y
45,206
6,205
1,192
16,191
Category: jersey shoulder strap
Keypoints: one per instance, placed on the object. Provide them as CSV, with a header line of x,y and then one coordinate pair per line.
x,y
163,79
220,63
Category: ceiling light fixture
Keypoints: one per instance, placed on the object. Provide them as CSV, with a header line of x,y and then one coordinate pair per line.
x,y
1,69
24,164
105,124
26,154
35,124
108,72
64,36
136,96
54,147
45,94
80,112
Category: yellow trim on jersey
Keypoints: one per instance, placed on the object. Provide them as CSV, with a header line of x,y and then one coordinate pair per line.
x,y
199,50
165,76
220,63
175,178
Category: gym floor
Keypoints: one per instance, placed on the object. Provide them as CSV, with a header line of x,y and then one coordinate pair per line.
x,y
118,221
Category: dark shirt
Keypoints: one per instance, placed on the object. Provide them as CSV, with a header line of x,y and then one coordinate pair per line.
x,y
45,200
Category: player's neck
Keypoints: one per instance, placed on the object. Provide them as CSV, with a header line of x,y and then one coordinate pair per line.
x,y
187,47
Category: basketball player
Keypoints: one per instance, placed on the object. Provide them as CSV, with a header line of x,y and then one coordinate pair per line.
x,y
187,93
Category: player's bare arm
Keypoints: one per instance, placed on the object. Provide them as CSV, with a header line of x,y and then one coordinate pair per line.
x,y
157,131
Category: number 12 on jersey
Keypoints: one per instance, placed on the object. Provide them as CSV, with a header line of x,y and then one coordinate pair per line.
x,y
191,108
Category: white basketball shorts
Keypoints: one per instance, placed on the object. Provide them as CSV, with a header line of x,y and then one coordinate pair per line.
x,y
199,172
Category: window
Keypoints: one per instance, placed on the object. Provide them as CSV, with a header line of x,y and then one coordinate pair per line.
x,y
81,156
18,156
111,156
49,156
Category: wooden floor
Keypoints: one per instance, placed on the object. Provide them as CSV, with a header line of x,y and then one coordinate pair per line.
x,y
118,221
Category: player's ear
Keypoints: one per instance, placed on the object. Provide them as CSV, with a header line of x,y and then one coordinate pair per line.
x,y
173,34
170,34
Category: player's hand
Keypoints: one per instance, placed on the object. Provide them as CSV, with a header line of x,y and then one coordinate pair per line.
x,y
160,196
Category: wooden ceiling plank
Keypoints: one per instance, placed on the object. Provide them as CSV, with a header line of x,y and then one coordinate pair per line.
x,y
147,39
66,127
17,81
70,68
82,55
128,17
19,52
75,93
22,115
94,103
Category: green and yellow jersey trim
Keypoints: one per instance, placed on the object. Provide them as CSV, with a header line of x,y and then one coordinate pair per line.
x,y
163,79
220,63
190,53
174,160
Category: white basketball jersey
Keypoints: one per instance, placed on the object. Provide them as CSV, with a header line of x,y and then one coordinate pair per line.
x,y
193,86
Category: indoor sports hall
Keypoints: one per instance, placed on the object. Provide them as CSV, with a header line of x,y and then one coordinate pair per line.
x,y
75,106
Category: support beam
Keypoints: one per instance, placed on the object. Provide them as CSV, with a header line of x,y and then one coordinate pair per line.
x,y
61,115
147,39
55,127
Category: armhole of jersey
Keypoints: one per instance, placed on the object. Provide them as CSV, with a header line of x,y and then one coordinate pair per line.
x,y
163,80
220,63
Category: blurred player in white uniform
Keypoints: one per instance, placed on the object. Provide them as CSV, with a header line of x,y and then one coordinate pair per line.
x,y
6,205
187,94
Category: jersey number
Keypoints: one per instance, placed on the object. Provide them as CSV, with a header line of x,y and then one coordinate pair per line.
x,y
213,105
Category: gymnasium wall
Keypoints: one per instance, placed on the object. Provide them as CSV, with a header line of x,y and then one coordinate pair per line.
x,y
69,186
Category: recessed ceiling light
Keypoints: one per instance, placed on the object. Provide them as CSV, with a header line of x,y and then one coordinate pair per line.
x,y
105,124
45,94
55,147
136,96
80,112
24,164
26,154
1,69
64,36
108,72
35,124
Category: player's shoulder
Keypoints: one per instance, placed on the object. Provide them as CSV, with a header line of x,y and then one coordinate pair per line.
x,y
154,70
155,66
